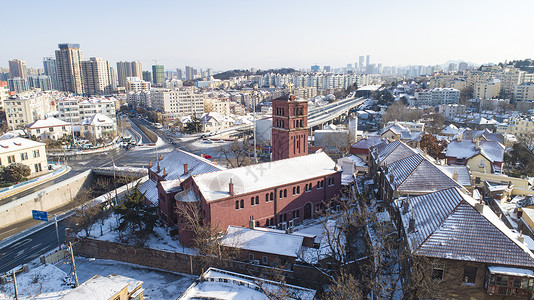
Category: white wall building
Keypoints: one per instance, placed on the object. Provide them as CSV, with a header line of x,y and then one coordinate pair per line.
x,y
24,151
27,108
177,103
49,128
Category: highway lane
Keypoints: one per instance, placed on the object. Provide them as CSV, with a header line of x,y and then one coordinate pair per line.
x,y
31,246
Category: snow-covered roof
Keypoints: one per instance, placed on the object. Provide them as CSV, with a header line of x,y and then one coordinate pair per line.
x,y
171,186
449,224
463,174
493,151
367,142
215,185
173,163
11,134
393,152
98,120
226,285
16,144
263,241
98,287
511,271
48,122
150,190
450,129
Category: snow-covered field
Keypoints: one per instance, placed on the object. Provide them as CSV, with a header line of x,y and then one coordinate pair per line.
x,y
50,278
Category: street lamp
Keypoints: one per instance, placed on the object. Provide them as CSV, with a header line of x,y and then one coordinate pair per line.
x,y
114,179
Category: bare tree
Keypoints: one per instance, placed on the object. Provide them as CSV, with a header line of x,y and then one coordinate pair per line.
x,y
237,154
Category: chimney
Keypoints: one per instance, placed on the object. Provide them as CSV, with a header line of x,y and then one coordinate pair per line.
x,y
231,187
164,172
520,237
459,137
251,223
477,144
150,164
480,207
335,167
455,175
158,168
160,157
186,169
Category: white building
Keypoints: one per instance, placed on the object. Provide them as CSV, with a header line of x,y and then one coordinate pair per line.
x,y
97,126
451,111
136,84
27,108
214,121
24,151
49,128
219,106
75,109
436,96
177,103
524,92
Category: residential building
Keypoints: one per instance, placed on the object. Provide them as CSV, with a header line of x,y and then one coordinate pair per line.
x,y
228,285
4,94
481,156
220,106
520,126
18,84
524,92
42,82
140,98
487,89
158,74
17,68
50,69
492,104
460,249
189,73
69,59
362,147
127,69
97,126
177,103
147,76
290,127
27,108
135,84
49,128
451,111
26,152
213,121
97,77
436,96
76,109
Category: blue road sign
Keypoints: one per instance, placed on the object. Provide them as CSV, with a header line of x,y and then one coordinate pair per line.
x,y
39,215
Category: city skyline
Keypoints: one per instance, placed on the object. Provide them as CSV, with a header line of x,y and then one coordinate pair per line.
x,y
233,35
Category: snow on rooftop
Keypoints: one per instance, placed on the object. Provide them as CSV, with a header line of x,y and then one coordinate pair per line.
x,y
150,190
262,241
215,185
511,271
16,144
48,122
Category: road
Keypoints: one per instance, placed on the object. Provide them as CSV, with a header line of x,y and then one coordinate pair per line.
x,y
31,246
23,248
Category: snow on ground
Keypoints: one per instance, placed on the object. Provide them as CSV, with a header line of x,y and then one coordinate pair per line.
x,y
50,278
214,144
160,240
46,278
157,284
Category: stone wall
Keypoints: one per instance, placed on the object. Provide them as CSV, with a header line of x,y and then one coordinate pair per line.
x,y
305,276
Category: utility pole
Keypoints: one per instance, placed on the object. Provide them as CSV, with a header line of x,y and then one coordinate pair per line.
x,y
114,181
15,283
57,233
254,97
73,266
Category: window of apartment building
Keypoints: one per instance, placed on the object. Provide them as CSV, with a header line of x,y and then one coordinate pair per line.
x,y
38,130
437,272
470,274
51,129
24,156
11,159
251,256
264,260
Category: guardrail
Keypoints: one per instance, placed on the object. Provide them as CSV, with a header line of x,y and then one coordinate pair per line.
x,y
40,178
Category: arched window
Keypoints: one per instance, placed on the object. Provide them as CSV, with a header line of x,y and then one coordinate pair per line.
x,y
267,197
251,201
271,197
237,204
298,189
294,190
242,203
285,192
281,194
257,200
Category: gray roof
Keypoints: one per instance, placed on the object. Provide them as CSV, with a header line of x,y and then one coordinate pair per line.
x,y
393,152
448,226
416,174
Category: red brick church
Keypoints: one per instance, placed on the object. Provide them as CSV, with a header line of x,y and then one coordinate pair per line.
x,y
291,188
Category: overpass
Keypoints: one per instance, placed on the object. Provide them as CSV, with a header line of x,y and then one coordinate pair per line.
x,y
120,171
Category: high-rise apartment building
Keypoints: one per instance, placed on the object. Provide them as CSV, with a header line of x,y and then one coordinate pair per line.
x,y
69,59
147,76
127,69
158,74
360,62
177,103
367,60
28,107
50,69
17,68
42,82
189,73
4,93
97,76
18,85
135,84
179,74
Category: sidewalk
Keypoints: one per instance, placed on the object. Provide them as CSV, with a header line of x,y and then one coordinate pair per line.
x,y
17,188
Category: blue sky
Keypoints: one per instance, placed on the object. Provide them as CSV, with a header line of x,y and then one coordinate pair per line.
x,y
269,34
